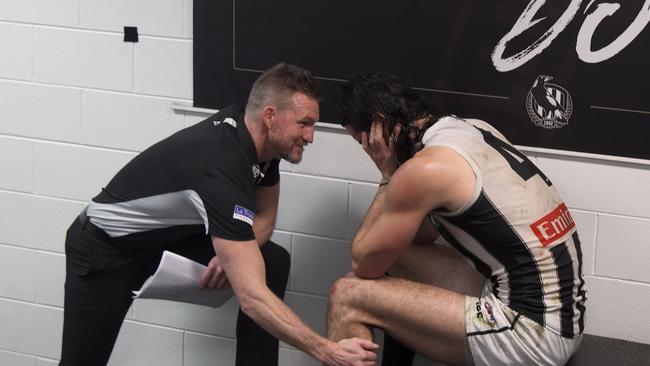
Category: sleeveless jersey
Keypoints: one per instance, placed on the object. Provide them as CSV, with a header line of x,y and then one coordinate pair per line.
x,y
515,229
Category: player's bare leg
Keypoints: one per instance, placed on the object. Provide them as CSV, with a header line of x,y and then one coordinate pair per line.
x,y
425,312
428,319
440,266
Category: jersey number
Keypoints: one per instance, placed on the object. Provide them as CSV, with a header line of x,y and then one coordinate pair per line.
x,y
524,168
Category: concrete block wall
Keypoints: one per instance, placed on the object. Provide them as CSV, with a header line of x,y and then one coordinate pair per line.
x,y
77,103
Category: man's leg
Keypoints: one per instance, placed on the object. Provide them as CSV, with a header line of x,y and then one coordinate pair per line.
x,y
255,346
395,353
95,302
432,264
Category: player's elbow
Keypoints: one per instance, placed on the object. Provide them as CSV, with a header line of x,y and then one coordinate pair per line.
x,y
356,262
362,270
367,264
355,266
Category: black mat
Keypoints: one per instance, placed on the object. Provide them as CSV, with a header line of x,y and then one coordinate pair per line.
x,y
596,351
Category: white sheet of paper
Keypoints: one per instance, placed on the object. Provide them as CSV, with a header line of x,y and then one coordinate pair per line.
x,y
176,279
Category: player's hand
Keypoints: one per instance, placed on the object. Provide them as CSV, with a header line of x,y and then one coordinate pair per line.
x,y
214,277
380,148
355,352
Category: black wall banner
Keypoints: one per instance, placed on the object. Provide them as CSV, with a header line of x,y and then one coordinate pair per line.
x,y
569,75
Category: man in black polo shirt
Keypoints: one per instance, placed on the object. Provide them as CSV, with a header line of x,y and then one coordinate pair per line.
x,y
212,187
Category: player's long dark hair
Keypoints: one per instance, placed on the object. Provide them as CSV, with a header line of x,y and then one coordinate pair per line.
x,y
367,94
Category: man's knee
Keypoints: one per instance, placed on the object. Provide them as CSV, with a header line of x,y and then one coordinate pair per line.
x,y
276,256
277,261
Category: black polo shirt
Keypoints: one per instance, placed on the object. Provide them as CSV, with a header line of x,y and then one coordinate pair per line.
x,y
201,179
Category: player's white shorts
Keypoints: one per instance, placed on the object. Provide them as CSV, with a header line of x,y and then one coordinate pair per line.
x,y
498,335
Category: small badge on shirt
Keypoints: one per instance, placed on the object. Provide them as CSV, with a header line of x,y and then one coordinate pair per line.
x,y
258,175
228,120
243,214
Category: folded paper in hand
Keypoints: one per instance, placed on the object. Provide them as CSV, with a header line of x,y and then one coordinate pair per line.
x,y
176,279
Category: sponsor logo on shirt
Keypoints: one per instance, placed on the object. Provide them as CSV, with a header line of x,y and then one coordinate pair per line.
x,y
243,214
553,225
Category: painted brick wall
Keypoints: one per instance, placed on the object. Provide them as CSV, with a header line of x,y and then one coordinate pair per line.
x,y
77,103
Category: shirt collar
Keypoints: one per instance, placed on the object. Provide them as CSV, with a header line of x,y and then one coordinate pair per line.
x,y
246,139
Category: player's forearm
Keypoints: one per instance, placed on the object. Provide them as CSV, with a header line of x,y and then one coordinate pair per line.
x,y
275,317
360,248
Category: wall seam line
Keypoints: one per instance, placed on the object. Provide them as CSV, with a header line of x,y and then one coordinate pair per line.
x,y
595,232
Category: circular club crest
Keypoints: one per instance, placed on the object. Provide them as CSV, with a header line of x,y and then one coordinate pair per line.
x,y
548,105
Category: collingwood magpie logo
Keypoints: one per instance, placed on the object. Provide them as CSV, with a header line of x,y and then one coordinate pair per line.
x,y
257,173
548,105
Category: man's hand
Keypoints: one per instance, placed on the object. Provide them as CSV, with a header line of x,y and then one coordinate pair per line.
x,y
355,352
381,153
214,277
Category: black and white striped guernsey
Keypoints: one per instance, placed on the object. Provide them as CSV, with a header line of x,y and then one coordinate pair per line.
x,y
200,180
516,229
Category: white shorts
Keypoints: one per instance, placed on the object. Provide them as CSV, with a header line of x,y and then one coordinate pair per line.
x,y
498,335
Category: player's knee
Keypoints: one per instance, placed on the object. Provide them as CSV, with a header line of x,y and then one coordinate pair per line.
x,y
342,290
341,307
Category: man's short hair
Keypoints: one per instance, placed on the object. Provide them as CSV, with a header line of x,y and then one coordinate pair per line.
x,y
277,84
